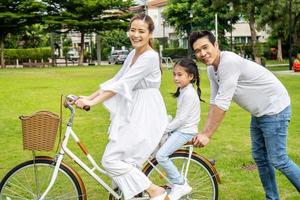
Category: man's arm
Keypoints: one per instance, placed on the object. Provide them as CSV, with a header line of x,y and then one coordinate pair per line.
x,y
214,119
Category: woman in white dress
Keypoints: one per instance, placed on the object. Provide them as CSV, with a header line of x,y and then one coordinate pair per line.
x,y
138,113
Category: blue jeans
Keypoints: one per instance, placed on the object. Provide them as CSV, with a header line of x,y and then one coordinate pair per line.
x,y
269,135
174,142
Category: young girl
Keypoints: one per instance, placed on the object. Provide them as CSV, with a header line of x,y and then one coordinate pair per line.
x,y
184,126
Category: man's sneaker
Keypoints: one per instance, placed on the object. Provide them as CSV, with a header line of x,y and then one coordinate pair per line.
x,y
179,191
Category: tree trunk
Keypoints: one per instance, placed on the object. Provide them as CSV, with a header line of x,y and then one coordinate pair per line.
x,y
81,49
98,41
2,51
279,50
52,49
253,35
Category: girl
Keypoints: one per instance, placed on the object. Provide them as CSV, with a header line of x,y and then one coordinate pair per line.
x,y
138,113
184,126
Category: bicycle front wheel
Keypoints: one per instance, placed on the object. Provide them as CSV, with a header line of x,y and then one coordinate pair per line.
x,y
201,177
30,179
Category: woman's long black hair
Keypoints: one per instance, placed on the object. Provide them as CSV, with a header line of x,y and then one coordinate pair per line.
x,y
192,69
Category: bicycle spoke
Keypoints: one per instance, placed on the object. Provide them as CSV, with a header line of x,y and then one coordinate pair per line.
x,y
200,177
21,182
21,186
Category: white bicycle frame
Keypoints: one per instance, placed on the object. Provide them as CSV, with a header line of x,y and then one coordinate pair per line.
x,y
91,171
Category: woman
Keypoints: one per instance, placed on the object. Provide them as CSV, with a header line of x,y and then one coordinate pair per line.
x,y
138,113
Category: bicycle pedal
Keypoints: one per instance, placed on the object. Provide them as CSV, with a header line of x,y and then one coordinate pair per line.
x,y
212,161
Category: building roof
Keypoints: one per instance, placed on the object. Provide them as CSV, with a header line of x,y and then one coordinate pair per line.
x,y
138,8
156,3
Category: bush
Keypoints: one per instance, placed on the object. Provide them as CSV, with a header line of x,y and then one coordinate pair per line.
x,y
295,50
175,53
263,50
174,43
23,55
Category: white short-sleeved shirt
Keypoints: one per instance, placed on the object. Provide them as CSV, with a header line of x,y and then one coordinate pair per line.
x,y
247,83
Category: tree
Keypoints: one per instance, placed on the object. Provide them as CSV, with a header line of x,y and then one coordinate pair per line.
x,y
273,12
277,12
188,15
15,15
88,16
116,38
249,10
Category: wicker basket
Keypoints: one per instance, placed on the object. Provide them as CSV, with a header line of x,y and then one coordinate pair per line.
x,y
39,130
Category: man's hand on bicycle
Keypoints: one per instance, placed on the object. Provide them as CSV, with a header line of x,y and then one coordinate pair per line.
x,y
200,140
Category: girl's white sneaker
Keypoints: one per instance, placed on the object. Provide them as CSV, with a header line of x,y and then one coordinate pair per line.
x,y
179,191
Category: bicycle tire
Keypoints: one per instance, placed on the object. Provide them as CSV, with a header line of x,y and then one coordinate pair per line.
x,y
200,168
202,177
22,183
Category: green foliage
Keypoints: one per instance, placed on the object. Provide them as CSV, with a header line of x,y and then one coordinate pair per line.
x,y
295,50
14,15
175,53
65,50
116,38
277,12
29,37
186,16
23,55
87,16
173,43
262,49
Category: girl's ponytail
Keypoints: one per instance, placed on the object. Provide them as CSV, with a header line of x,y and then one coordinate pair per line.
x,y
198,86
177,93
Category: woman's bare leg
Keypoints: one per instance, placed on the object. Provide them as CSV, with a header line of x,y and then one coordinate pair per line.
x,y
155,190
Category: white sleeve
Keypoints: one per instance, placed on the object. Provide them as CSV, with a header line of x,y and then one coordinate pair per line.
x,y
213,85
229,73
183,111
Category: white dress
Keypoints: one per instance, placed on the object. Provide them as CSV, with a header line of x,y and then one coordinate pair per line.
x,y
138,120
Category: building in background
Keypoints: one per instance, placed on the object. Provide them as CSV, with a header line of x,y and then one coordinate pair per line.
x,y
241,33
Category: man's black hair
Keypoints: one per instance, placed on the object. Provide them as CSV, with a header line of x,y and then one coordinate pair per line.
x,y
200,34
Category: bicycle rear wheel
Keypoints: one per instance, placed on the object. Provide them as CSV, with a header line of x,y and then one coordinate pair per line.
x,y
30,179
201,177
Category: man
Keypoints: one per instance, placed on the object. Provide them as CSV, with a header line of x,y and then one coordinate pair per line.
x,y
259,92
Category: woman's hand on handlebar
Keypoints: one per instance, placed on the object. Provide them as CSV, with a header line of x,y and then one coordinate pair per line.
x,y
85,97
83,103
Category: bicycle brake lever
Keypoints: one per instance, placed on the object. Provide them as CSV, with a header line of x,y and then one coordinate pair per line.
x,y
72,98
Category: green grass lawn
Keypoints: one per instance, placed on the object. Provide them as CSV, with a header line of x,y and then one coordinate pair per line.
x,y
24,91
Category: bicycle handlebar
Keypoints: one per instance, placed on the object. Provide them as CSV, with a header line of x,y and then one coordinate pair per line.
x,y
70,100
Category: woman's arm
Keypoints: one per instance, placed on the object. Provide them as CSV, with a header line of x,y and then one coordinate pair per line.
x,y
92,96
96,98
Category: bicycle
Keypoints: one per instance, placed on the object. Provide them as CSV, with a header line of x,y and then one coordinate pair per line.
x,y
50,178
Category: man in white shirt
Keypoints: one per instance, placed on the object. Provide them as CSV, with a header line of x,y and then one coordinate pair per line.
x,y
259,92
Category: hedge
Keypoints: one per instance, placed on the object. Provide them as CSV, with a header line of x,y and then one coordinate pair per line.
x,y
175,53
23,55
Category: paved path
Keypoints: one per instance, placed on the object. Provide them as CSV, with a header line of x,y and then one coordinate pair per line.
x,y
287,72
